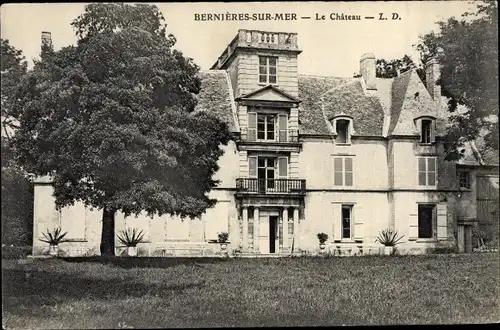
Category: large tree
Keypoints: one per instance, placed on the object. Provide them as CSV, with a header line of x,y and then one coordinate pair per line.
x,y
393,68
467,50
112,120
13,69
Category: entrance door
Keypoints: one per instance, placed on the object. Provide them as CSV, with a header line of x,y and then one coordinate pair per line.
x,y
273,233
468,239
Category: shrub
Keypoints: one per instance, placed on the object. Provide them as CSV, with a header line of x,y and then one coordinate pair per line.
x,y
223,237
322,237
130,238
55,237
388,237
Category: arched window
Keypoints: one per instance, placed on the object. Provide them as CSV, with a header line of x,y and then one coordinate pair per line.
x,y
342,127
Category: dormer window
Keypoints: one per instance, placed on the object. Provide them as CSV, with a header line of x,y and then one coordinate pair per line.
x,y
343,129
268,68
427,131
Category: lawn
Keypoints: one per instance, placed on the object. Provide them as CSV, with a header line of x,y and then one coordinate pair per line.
x,y
167,292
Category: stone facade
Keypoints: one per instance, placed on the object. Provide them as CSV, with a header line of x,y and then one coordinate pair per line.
x,y
345,156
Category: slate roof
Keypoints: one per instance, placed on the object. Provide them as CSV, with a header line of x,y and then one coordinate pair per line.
x,y
389,111
311,118
216,96
410,99
350,99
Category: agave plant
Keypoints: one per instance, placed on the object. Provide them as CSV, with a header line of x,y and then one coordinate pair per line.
x,y
388,237
322,237
55,237
130,237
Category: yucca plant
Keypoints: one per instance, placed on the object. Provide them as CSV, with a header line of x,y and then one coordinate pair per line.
x,y
388,237
55,237
130,238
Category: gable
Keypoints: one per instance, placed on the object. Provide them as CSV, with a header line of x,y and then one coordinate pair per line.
x,y
410,100
269,93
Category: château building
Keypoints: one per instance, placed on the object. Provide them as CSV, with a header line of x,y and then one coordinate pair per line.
x,y
345,156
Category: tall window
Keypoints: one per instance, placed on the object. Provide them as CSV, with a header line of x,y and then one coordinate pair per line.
x,y
266,170
464,180
427,131
346,221
343,171
426,219
266,127
342,128
268,69
427,169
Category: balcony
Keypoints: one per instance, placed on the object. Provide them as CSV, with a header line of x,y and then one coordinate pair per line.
x,y
284,141
271,186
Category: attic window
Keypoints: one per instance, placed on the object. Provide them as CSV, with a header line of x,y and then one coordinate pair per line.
x,y
427,134
416,97
342,128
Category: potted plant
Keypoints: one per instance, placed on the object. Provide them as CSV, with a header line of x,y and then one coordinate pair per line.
x,y
54,238
322,237
130,238
389,238
222,239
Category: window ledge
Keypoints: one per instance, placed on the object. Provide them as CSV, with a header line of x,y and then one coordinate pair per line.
x,y
427,144
266,84
343,144
426,240
76,240
345,240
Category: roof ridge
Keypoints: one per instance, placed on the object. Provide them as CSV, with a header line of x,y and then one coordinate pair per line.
x,y
339,86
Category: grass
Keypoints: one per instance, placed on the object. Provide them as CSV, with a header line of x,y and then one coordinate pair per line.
x,y
155,292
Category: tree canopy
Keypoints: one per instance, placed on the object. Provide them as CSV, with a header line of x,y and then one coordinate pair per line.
x,y
13,69
467,50
392,68
112,120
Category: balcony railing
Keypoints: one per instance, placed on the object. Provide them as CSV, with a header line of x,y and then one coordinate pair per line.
x,y
281,136
271,186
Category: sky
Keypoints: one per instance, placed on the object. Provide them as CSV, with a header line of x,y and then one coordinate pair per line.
x,y
330,47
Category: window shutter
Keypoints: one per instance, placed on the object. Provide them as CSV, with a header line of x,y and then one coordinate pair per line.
x,y
252,166
348,171
422,171
413,226
283,167
252,126
282,174
359,233
420,125
433,131
282,126
337,222
442,221
337,171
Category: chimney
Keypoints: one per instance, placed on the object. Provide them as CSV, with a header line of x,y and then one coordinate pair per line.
x,y
46,39
367,70
432,75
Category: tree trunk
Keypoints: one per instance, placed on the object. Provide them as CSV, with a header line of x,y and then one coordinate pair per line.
x,y
108,232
